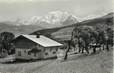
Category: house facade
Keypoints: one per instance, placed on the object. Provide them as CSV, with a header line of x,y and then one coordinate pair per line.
x,y
35,47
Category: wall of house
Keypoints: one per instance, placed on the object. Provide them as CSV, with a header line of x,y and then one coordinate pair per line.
x,y
23,45
50,52
24,54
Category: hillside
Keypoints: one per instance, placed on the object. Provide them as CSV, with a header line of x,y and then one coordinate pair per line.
x,y
65,32
99,63
24,29
53,19
57,33
99,20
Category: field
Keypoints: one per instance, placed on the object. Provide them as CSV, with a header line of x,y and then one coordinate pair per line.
x,y
97,63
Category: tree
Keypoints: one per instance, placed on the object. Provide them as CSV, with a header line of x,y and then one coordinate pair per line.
x,y
108,38
6,41
67,50
87,34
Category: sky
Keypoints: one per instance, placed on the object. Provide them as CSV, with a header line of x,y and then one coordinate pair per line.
x,y
82,9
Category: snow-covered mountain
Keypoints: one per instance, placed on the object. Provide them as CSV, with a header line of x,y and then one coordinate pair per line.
x,y
52,19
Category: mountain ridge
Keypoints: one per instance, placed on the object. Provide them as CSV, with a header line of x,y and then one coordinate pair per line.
x,y
51,20
65,32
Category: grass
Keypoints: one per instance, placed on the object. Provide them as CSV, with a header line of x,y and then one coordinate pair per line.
x,y
22,67
97,63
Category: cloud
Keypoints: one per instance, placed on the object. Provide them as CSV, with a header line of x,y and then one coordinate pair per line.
x,y
80,8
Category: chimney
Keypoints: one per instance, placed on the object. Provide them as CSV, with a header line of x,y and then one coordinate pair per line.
x,y
38,35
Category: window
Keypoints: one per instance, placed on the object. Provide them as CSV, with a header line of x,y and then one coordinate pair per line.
x,y
56,49
19,53
46,53
54,52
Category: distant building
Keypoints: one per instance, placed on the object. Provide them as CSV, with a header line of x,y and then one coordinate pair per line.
x,y
35,47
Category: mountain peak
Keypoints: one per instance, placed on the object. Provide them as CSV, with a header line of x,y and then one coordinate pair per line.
x,y
58,17
53,19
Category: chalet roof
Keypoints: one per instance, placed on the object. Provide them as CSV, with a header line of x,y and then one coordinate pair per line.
x,y
42,40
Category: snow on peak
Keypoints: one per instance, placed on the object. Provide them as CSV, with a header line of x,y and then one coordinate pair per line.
x,y
52,18
56,16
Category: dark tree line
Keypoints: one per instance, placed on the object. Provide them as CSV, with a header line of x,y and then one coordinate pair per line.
x,y
6,45
91,37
